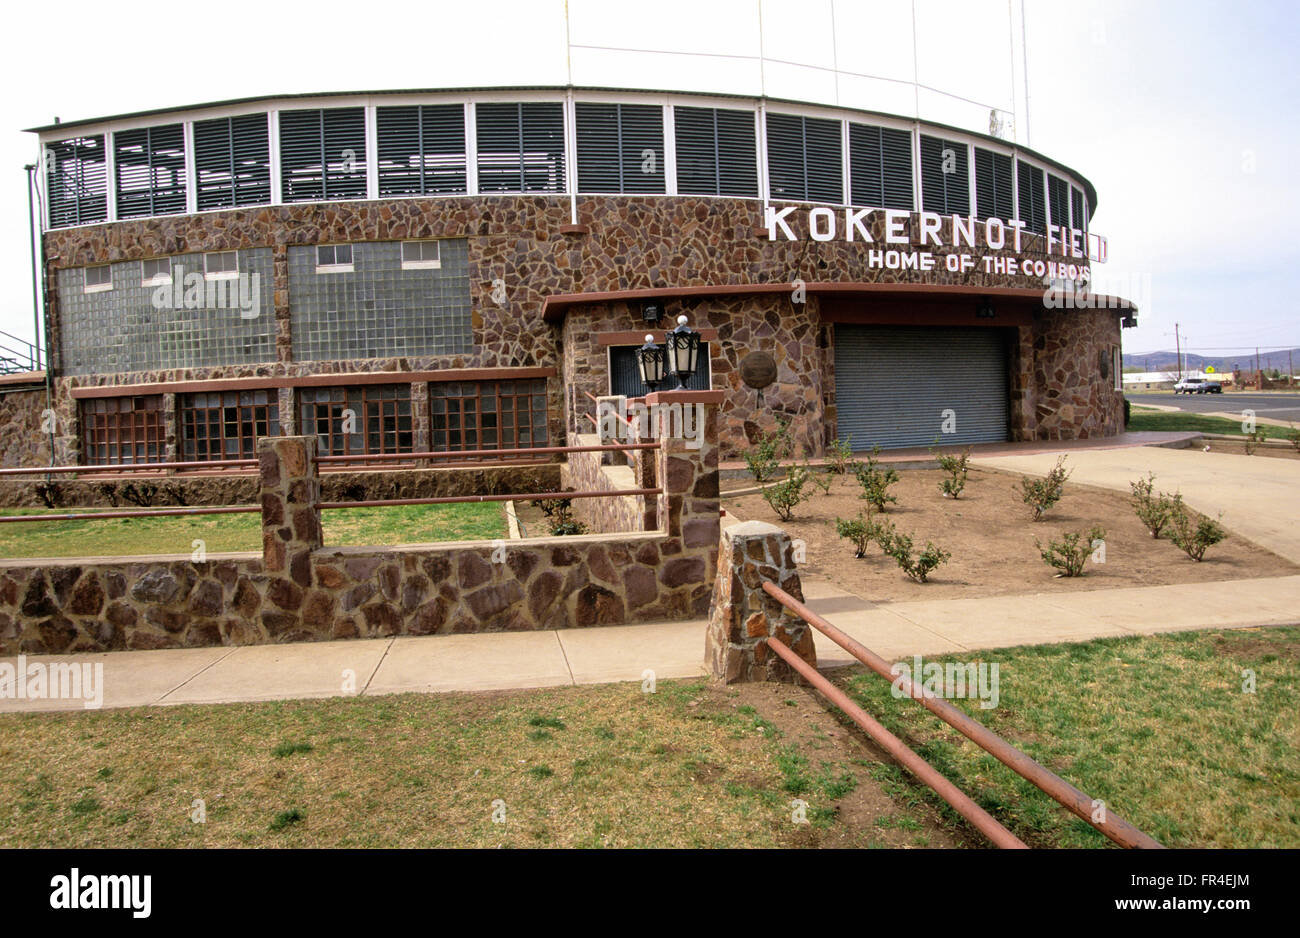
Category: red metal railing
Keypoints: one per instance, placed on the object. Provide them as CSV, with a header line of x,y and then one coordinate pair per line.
x,y
460,499
1113,826
141,513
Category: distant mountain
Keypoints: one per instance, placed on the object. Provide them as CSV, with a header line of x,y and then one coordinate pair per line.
x,y
1167,360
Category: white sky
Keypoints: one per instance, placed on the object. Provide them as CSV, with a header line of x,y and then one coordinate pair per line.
x,y
1182,114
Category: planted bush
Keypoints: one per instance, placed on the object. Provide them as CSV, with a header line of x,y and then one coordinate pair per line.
x,y
1293,437
957,467
839,456
861,531
1070,552
1042,494
1194,537
764,458
559,516
1254,440
875,481
1154,509
899,546
785,496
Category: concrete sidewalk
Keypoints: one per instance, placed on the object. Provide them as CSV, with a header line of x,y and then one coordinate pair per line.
x,y
513,660
1258,496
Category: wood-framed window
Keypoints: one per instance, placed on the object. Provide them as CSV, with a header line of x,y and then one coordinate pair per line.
x,y
120,430
468,415
227,424
368,418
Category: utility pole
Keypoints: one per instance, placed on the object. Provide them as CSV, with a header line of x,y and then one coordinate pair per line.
x,y
1259,375
1178,346
1290,369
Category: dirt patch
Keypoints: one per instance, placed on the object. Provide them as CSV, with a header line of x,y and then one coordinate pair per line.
x,y
991,537
836,750
1239,449
532,521
1242,646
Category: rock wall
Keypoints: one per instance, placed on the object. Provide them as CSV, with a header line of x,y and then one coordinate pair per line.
x,y
22,442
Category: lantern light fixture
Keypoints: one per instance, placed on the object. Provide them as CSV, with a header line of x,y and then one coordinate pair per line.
x,y
683,346
650,363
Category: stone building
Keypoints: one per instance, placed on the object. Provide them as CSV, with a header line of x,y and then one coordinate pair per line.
x,y
448,270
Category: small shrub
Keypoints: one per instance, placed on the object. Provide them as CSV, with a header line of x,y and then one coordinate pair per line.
x,y
1293,437
785,496
1254,440
823,480
875,481
142,494
1194,539
1042,494
1070,553
1154,509
50,493
765,457
899,546
957,467
559,516
839,456
861,531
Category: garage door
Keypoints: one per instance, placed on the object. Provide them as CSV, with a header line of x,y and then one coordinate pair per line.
x,y
893,384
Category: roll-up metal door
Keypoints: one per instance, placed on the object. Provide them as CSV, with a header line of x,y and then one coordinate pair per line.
x,y
893,385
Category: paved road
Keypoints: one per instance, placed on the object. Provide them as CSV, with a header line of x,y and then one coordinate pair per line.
x,y
1278,405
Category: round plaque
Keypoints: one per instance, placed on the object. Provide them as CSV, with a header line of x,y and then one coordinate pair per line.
x,y
758,370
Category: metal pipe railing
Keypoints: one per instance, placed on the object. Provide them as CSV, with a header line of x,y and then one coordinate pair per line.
x,y
1115,827
470,453
130,467
984,822
142,513
465,499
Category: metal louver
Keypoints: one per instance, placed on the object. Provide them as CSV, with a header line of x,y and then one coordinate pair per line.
x,y
1058,194
880,167
804,159
945,176
1078,215
421,149
716,152
993,185
76,181
620,147
150,165
520,147
323,154
232,160
1033,206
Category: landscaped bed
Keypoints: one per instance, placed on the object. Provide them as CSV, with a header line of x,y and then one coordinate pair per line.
x,y
117,537
989,533
1159,727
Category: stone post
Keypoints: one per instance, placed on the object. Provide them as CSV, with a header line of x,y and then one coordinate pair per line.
x,y
290,489
686,468
743,617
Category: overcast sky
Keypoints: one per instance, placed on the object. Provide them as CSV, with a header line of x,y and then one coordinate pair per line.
x,y
1182,114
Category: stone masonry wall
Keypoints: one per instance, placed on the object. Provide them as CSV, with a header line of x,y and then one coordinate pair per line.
x,y
21,441
585,472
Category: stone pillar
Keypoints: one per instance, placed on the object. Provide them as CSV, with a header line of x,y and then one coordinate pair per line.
x,y
686,468
171,430
743,617
290,489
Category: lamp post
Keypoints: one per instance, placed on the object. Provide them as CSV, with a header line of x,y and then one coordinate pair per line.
x,y
650,362
683,346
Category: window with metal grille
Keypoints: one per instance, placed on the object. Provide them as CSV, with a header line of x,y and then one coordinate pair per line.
x,y
880,167
155,272
620,147
520,147
227,424
150,163
945,176
1058,194
993,185
99,278
76,178
467,415
716,153
1079,216
119,430
421,149
323,154
1033,207
232,160
368,418
804,159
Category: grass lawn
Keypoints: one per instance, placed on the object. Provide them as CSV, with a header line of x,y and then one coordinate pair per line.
x,y
1158,728
1144,418
394,524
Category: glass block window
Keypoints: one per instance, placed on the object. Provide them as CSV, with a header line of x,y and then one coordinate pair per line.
x,y
370,418
192,321
227,424
76,176
383,307
119,430
468,415
150,164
